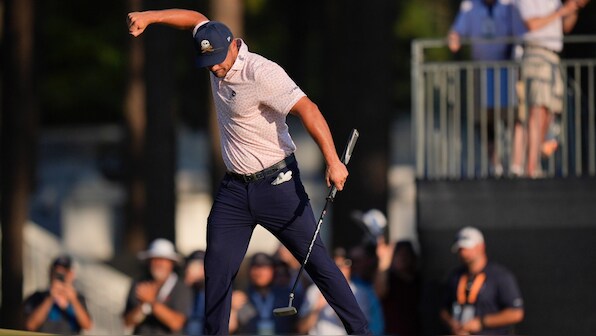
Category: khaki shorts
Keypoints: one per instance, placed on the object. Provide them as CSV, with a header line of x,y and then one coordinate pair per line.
x,y
542,82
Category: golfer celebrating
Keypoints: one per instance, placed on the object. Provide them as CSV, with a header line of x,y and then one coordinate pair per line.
x,y
253,96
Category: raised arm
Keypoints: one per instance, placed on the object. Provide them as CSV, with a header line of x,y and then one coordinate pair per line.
x,y
177,18
568,12
39,314
569,21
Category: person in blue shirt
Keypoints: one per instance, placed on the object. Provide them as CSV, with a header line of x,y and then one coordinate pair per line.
x,y
491,21
194,277
60,309
364,269
253,314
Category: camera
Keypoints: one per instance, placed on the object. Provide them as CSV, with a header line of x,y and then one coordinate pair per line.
x,y
60,277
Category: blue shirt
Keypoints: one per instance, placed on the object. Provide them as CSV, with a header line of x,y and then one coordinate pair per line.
x,y
196,319
370,305
476,20
58,321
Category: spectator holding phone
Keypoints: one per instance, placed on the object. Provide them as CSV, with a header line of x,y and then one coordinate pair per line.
x,y
60,309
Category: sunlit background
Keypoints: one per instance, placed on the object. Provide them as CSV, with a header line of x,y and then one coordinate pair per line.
x,y
107,144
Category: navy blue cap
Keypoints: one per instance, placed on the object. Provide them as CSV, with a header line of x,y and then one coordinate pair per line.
x,y
62,260
212,41
196,255
262,259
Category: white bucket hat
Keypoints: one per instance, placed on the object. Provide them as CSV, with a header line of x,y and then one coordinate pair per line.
x,y
160,248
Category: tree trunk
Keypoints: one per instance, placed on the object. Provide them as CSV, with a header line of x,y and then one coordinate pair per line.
x,y
360,95
230,12
136,122
160,144
19,140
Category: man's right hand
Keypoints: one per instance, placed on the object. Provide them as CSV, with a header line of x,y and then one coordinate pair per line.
x,y
582,3
147,292
137,22
239,299
385,254
320,304
455,327
336,175
571,7
58,293
453,41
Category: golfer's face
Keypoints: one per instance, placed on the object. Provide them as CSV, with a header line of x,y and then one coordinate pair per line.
x,y
220,70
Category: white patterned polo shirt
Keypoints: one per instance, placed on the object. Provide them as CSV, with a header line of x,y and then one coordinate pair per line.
x,y
252,103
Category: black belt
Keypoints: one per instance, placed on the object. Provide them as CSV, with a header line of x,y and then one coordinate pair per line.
x,y
272,170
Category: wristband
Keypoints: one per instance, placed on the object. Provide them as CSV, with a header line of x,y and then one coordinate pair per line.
x,y
146,308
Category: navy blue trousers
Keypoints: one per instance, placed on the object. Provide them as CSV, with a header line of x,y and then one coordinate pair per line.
x,y
285,211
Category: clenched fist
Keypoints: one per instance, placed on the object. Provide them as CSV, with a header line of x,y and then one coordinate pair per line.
x,y
137,22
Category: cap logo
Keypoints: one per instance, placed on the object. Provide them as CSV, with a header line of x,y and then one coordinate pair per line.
x,y
206,47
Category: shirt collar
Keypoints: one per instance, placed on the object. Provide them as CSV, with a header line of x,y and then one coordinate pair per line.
x,y
238,63
240,59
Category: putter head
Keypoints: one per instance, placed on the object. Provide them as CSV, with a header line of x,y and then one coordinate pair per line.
x,y
285,311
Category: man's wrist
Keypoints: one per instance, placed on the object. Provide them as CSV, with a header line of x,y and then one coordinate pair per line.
x,y
482,323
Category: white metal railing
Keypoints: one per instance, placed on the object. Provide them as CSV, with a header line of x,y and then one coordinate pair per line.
x,y
456,136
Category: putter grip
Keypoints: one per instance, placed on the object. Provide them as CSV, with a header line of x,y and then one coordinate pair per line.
x,y
346,155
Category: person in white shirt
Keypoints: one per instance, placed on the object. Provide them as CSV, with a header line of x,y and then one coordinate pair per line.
x,y
253,96
317,317
546,22
157,303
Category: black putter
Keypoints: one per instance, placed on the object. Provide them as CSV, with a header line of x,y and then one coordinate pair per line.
x,y
347,154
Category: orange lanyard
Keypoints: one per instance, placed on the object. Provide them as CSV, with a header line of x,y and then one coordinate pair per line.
x,y
462,298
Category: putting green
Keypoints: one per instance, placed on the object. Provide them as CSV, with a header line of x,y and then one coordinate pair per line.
x,y
19,332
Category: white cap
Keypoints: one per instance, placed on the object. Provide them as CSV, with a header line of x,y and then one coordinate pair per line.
x,y
467,237
375,221
160,248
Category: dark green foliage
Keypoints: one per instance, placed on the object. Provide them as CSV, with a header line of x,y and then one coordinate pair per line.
x,y
82,50
81,53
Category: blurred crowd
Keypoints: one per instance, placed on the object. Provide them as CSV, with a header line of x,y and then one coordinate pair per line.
x,y
169,299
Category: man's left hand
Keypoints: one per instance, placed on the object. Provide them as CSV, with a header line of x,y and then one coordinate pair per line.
x,y
336,175
147,292
473,326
